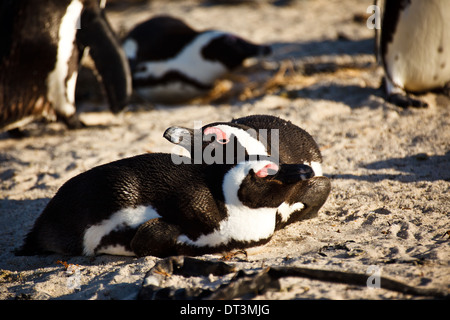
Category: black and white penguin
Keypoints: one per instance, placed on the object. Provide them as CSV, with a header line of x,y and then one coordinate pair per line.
x,y
171,62
148,205
293,146
40,49
414,47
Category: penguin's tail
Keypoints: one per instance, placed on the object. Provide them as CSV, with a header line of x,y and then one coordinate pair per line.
x,y
30,246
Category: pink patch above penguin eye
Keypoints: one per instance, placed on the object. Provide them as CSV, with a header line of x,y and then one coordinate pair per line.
x,y
269,169
221,137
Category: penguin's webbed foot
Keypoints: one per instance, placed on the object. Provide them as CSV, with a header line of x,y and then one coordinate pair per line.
x,y
73,122
446,90
405,101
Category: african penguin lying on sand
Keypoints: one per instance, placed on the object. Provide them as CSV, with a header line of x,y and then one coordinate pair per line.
x,y
171,62
414,47
148,205
293,146
40,49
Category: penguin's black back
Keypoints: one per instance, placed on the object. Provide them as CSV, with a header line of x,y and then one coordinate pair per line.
x,y
84,200
295,144
167,34
93,196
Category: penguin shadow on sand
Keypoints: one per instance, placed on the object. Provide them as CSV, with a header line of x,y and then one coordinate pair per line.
x,y
330,69
414,168
322,69
16,217
304,65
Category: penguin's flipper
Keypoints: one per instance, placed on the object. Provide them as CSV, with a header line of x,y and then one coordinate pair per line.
x,y
110,60
155,238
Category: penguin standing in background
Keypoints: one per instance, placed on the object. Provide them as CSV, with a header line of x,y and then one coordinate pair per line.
x,y
414,47
255,133
148,205
171,62
40,49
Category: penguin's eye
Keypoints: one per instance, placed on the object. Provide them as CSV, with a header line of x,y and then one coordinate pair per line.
x,y
221,136
268,170
223,141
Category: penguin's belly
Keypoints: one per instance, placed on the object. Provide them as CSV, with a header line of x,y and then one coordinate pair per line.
x,y
113,235
418,58
173,92
61,81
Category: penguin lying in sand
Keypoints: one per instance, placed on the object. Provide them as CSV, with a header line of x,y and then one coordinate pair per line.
x,y
294,146
171,62
414,47
40,49
148,205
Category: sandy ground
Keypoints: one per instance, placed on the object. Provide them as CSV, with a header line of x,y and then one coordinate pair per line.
x,y
390,168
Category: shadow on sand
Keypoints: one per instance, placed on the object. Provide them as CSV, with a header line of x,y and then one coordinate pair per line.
x,y
415,168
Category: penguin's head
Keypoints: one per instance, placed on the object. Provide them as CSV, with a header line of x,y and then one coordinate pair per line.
x,y
220,142
232,50
263,183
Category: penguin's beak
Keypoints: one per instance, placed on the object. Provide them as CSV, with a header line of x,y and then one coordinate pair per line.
x,y
293,173
254,50
179,135
264,50
109,58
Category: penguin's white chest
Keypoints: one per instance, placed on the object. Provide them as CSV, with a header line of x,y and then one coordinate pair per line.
x,y
242,224
418,58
